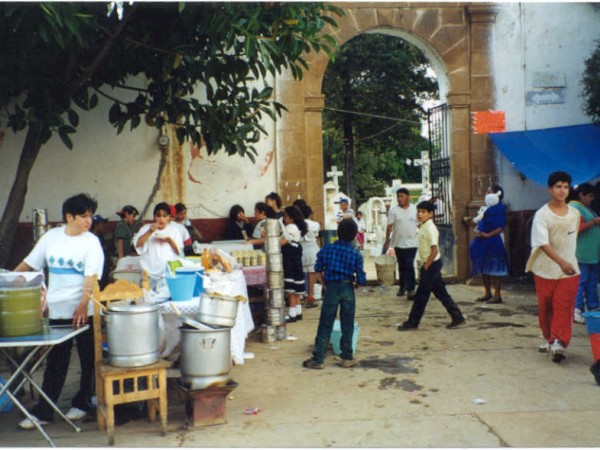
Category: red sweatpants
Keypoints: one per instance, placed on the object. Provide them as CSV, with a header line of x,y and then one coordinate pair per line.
x,y
556,302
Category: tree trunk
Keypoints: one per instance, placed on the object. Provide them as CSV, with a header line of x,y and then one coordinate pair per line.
x,y
16,198
348,129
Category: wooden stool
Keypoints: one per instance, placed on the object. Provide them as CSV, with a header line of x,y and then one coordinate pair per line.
x,y
118,385
205,407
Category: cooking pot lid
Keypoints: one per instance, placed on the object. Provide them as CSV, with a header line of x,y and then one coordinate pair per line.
x,y
133,308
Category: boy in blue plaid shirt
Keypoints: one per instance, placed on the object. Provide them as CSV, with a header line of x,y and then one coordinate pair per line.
x,y
336,266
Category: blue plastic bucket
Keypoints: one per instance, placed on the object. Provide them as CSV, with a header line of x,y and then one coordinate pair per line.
x,y
6,403
336,335
197,273
592,321
181,287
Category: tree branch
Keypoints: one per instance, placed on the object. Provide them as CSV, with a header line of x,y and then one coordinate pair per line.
x,y
88,72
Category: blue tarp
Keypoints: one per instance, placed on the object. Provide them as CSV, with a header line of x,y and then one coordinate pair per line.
x,y
537,153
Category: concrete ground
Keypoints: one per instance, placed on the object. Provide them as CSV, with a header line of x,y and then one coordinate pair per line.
x,y
481,385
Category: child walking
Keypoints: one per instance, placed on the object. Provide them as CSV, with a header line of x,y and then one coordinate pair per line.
x,y
336,267
430,264
554,265
291,252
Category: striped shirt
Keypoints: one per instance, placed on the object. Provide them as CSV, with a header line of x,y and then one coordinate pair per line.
x,y
339,262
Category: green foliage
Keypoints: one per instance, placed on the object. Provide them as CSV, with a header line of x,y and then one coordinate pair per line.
x,y
385,76
591,84
203,66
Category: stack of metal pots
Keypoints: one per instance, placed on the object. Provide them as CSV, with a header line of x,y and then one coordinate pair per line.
x,y
274,330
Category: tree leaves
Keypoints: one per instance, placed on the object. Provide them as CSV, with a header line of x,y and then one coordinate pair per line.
x,y
177,47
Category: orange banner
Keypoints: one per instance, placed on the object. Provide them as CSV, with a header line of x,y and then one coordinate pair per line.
x,y
488,122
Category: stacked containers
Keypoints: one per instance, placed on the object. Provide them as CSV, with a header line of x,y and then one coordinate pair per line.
x,y
275,294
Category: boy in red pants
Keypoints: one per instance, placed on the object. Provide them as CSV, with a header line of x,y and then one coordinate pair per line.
x,y
554,265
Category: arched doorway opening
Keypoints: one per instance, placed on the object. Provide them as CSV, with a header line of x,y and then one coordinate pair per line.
x,y
457,38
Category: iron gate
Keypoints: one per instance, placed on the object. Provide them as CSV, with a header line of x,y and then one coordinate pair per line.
x,y
439,155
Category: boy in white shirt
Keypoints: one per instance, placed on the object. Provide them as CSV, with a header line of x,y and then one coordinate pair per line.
x,y
73,256
554,265
430,264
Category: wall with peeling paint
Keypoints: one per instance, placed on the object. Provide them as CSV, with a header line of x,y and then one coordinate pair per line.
x,y
122,169
539,55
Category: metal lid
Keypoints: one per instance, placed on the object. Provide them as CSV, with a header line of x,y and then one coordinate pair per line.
x,y
133,309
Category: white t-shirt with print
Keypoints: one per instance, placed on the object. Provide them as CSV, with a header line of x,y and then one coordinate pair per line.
x,y
69,259
404,226
560,232
155,253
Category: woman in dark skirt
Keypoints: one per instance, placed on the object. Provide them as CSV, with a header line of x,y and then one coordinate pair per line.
x,y
291,252
487,251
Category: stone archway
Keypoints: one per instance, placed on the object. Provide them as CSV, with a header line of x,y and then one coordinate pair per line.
x,y
457,38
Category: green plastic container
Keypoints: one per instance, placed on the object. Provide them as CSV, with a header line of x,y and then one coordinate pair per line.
x,y
20,311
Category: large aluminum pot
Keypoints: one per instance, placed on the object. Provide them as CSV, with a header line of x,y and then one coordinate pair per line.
x,y
275,298
275,280
218,310
132,332
274,262
205,357
273,227
272,244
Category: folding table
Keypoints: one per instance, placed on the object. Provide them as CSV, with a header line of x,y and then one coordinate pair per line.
x,y
41,345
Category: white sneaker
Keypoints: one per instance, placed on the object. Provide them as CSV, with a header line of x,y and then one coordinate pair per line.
x,y
76,414
29,424
544,348
558,351
577,317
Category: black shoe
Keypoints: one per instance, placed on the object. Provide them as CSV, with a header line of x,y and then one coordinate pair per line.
x,y
494,301
408,325
312,364
483,299
289,319
410,295
595,369
312,304
455,323
298,317
400,292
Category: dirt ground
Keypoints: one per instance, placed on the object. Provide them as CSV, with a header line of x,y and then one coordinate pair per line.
x,y
481,385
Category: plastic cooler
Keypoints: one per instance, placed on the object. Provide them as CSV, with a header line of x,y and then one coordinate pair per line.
x,y
197,273
592,323
336,335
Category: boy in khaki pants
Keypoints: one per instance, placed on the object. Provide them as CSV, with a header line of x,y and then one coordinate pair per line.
x,y
428,259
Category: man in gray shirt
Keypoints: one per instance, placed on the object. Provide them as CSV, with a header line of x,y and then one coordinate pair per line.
x,y
402,226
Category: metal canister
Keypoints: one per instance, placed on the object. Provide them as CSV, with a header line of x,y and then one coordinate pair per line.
x,y
275,262
275,280
273,227
272,244
275,316
262,259
39,218
269,334
281,333
275,298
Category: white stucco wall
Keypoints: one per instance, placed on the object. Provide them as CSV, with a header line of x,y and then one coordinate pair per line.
x,y
539,44
121,169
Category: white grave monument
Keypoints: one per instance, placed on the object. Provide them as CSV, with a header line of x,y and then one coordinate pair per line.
x,y
331,198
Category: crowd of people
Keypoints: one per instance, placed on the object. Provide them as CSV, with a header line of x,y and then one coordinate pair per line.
x,y
565,261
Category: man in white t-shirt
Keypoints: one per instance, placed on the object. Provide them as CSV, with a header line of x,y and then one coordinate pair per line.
x,y
554,265
74,257
402,226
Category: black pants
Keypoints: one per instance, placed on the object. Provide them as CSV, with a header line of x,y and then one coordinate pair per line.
x,y
406,268
431,282
57,367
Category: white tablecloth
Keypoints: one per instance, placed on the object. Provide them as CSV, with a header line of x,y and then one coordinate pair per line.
x,y
243,322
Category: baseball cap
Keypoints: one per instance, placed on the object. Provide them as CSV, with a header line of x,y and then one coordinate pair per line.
x,y
127,209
